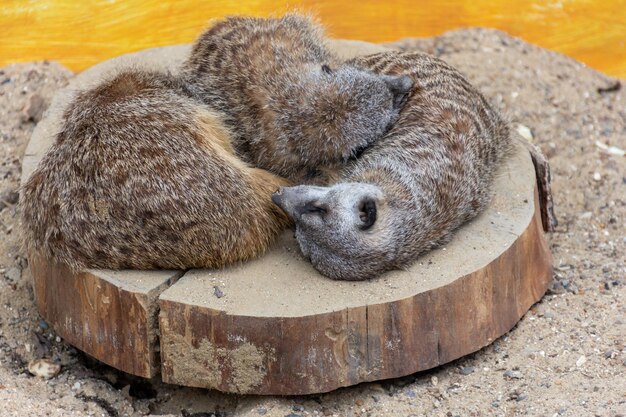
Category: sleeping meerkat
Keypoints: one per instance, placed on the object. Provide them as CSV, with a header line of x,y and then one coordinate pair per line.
x,y
408,192
294,109
142,175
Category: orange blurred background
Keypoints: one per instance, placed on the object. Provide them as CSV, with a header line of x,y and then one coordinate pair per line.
x,y
82,33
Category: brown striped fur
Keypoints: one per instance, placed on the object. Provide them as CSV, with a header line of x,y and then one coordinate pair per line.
x,y
412,189
293,108
143,175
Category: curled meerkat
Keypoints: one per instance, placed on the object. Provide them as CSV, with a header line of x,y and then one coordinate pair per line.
x,y
293,107
142,175
411,190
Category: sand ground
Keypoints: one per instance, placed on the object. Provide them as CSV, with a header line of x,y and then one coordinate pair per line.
x,y
566,357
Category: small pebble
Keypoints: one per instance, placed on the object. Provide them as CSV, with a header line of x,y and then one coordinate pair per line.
x,y
466,370
217,291
611,150
581,361
43,325
298,408
44,368
513,374
13,274
525,132
8,198
34,108
597,176
261,411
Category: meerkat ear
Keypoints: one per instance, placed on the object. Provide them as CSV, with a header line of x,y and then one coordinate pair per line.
x,y
400,86
367,213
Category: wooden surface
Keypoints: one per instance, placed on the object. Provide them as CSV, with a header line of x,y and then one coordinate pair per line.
x,y
111,315
278,327
80,34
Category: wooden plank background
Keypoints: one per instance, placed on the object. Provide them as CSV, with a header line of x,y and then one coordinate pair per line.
x,y
81,33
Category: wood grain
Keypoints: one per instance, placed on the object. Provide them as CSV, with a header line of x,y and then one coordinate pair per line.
x,y
79,34
112,316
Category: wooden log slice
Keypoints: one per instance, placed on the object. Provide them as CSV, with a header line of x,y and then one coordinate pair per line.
x,y
274,325
110,315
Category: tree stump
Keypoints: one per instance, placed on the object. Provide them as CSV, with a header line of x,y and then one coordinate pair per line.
x,y
274,325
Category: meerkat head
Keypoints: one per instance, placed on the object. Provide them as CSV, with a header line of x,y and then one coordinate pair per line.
x,y
355,105
341,229
340,111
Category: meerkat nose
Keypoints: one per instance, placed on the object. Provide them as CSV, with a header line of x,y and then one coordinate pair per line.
x,y
277,196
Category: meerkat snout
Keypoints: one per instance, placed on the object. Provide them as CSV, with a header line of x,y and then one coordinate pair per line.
x,y
299,200
277,197
340,228
353,206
